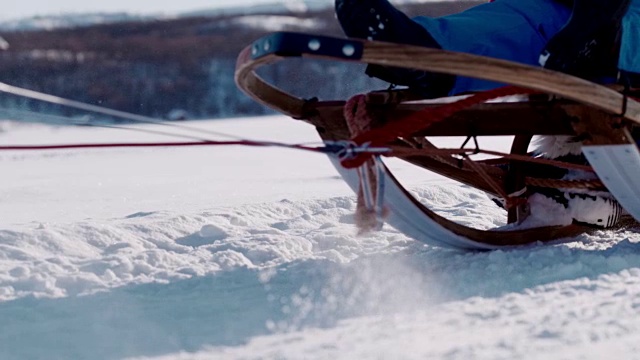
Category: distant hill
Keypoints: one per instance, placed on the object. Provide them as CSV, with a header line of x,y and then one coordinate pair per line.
x,y
69,21
155,66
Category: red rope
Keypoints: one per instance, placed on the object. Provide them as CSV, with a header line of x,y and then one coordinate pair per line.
x,y
359,122
424,118
357,116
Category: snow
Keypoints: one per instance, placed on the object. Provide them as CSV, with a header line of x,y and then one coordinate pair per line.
x,y
278,22
4,45
251,253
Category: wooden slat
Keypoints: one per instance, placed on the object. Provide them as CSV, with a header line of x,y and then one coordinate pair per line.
x,y
507,72
437,60
501,237
493,119
264,93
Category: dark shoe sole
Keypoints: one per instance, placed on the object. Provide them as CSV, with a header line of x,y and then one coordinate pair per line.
x,y
582,45
379,20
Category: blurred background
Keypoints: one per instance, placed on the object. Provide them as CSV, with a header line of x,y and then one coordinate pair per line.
x,y
170,60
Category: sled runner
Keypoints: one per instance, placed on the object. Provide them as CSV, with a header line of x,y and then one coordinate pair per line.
x,y
397,124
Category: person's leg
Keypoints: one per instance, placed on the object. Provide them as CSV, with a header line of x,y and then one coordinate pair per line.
x,y
514,30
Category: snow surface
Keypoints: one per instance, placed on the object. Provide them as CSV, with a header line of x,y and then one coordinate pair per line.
x,y
251,253
278,23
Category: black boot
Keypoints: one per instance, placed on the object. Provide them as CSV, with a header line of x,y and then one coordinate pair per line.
x,y
631,81
379,20
587,45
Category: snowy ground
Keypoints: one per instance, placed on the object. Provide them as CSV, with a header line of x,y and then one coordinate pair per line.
x,y
251,253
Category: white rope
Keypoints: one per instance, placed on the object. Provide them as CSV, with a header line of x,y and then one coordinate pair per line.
x,y
31,94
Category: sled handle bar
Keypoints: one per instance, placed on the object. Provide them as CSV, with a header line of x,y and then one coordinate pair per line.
x,y
281,45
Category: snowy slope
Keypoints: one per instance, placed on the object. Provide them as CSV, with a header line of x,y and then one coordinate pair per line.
x,y
50,22
251,253
246,8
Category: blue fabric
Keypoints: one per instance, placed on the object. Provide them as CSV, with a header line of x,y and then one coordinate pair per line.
x,y
515,30
630,43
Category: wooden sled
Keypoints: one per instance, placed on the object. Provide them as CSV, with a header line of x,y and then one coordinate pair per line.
x,y
563,105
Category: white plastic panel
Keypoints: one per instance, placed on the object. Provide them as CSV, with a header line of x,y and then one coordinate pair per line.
x,y
409,218
618,166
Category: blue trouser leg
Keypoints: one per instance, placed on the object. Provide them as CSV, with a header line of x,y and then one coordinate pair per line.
x,y
515,30
629,60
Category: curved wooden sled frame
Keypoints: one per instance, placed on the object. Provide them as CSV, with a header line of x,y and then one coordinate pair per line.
x,y
407,214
